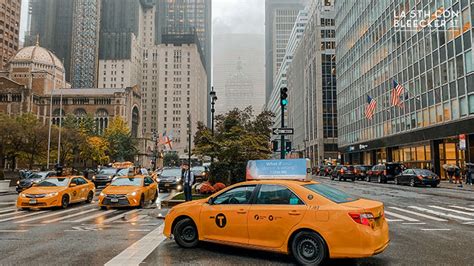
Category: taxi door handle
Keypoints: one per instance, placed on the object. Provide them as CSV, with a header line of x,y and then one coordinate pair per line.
x,y
242,211
294,213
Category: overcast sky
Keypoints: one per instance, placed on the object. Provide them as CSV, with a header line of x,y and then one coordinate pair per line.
x,y
229,16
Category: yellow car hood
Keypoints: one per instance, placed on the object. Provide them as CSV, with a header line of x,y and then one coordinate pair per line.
x,y
120,189
43,190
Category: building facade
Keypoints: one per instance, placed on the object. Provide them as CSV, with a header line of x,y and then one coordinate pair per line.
x,y
10,12
174,89
434,123
280,17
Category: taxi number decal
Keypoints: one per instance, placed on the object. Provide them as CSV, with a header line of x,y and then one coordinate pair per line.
x,y
74,193
221,221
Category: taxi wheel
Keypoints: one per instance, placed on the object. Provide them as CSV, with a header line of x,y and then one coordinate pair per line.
x,y
185,233
65,201
90,196
308,248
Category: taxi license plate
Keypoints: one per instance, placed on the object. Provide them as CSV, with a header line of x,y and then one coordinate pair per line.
x,y
32,201
113,200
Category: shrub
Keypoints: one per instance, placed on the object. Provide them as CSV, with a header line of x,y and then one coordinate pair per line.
x,y
206,188
218,186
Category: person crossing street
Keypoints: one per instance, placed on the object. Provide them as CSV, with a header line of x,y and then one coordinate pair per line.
x,y
188,180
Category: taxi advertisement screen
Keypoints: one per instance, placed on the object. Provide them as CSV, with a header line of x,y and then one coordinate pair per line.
x,y
296,169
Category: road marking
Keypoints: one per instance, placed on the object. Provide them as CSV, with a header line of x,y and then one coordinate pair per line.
x,y
13,231
462,208
11,213
7,210
389,220
419,214
122,215
137,218
139,250
53,213
91,217
401,216
68,216
8,203
21,216
139,230
441,213
413,223
456,211
436,229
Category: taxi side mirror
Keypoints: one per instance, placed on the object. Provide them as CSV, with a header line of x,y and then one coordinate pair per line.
x,y
210,201
72,185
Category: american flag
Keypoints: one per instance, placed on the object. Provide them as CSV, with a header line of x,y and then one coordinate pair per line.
x,y
370,108
397,91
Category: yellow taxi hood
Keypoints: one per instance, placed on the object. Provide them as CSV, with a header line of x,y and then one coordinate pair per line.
x,y
192,203
375,207
43,190
120,189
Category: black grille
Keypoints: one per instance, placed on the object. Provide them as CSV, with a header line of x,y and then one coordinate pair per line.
x,y
122,200
35,196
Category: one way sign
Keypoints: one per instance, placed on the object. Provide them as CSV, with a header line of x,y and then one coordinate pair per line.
x,y
283,131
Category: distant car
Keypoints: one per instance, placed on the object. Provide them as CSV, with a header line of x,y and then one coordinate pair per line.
x,y
170,178
104,176
127,191
361,171
200,172
326,170
384,172
414,177
31,179
343,172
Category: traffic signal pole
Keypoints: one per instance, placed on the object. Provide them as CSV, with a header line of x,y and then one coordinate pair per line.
x,y
282,138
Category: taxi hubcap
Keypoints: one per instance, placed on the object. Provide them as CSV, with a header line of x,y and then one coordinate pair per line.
x,y
309,249
188,234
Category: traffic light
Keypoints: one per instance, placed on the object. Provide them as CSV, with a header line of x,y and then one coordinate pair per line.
x,y
288,146
284,96
275,145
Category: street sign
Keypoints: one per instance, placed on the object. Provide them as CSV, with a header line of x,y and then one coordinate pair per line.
x,y
283,131
462,142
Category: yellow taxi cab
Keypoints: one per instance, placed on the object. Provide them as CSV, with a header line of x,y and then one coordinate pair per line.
x,y
126,191
57,192
280,209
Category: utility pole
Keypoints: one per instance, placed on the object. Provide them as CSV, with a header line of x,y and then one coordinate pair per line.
x,y
283,103
189,137
155,153
212,93
60,124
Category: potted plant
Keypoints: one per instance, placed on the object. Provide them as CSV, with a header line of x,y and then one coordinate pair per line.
x,y
4,184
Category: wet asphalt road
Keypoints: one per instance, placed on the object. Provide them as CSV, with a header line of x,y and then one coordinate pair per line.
x,y
427,227
437,237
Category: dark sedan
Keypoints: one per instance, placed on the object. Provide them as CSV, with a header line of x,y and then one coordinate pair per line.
x,y
170,178
343,172
416,177
31,179
104,176
361,171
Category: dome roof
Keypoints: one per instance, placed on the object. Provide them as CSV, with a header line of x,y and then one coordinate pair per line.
x,y
37,54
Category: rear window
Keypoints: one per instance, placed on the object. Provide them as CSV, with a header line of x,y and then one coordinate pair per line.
x,y
363,168
331,193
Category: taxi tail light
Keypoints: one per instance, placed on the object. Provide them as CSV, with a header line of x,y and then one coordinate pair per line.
x,y
362,218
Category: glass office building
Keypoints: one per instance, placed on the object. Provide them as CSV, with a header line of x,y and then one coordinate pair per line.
x,y
431,55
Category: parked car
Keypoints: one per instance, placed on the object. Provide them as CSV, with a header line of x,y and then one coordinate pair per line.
x,y
384,172
326,170
361,171
414,177
31,179
343,172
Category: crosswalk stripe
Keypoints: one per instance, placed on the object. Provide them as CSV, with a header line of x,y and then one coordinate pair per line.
x,y
393,220
118,216
69,216
455,211
21,216
462,208
401,216
8,203
11,213
92,216
436,229
441,213
419,214
14,231
138,218
54,213
7,210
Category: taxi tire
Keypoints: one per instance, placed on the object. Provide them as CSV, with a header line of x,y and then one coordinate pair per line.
x,y
90,197
306,241
64,201
186,226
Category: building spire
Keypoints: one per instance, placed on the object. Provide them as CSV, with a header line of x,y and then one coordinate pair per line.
x,y
37,39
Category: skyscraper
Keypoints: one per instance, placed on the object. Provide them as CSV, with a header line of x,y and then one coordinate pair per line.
x,y
280,16
9,29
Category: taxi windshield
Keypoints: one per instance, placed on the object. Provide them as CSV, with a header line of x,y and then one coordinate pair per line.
x,y
331,193
171,172
135,182
54,182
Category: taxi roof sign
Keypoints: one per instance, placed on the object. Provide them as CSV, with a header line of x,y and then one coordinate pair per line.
x,y
289,169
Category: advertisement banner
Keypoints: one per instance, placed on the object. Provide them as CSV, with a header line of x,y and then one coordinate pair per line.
x,y
295,169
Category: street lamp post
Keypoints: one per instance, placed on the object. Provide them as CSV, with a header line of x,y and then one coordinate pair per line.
x,y
212,93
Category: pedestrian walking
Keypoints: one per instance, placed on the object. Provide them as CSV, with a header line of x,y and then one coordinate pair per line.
x,y
457,176
188,177
450,173
469,173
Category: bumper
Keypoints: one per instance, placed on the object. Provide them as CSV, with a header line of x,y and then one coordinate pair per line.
x,y
101,182
127,201
428,182
38,202
176,186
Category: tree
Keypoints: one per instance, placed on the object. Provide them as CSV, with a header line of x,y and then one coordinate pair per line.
x,y
121,143
171,159
239,136
95,148
34,137
11,141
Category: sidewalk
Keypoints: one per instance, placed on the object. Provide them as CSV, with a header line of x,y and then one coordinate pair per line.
x,y
446,184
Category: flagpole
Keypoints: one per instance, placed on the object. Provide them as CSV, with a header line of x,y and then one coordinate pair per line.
x,y
60,124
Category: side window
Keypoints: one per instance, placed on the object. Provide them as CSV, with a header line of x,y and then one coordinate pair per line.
x,y
276,194
238,195
74,181
148,180
80,181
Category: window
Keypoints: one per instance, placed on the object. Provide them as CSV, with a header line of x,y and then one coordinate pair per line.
x,y
275,194
330,193
238,195
80,181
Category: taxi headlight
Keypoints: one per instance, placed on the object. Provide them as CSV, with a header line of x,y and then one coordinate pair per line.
x,y
23,195
134,193
102,194
52,194
18,182
178,179
110,177
93,177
